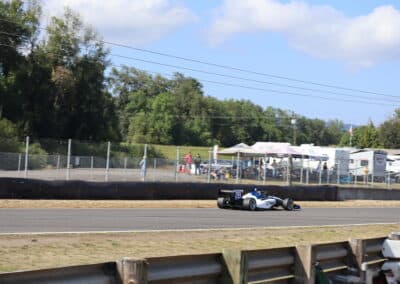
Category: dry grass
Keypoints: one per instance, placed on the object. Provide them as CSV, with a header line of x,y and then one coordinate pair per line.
x,y
27,252
17,203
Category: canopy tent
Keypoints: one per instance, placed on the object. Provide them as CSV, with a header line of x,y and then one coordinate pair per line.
x,y
310,151
242,149
275,148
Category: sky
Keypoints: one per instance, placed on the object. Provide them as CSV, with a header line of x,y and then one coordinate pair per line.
x,y
320,59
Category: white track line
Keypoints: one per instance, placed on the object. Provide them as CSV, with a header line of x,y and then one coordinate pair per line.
x,y
192,230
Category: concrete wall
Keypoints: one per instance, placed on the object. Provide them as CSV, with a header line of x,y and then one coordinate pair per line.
x,y
18,188
367,193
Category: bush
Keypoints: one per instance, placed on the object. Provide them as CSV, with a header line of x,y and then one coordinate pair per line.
x,y
9,137
37,157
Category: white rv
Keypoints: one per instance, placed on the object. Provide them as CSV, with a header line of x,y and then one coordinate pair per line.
x,y
338,159
368,162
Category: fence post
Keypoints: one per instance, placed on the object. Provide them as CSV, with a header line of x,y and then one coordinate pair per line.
x,y
91,167
236,264
177,163
155,168
108,160
320,172
209,166
143,170
265,167
58,162
19,163
305,271
69,159
26,156
125,165
302,169
132,271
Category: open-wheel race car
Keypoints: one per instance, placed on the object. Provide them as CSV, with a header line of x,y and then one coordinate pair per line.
x,y
253,200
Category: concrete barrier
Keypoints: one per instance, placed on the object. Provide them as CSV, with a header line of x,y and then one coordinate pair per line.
x,y
354,193
20,188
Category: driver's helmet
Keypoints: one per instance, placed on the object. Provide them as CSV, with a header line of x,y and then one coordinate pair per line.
x,y
256,192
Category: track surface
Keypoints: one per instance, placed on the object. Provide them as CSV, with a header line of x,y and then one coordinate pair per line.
x,y
83,220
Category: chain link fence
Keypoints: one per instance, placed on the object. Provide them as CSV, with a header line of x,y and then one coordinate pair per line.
x,y
118,165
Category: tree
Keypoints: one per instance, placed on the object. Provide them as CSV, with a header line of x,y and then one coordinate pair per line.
x,y
83,108
389,131
19,25
162,120
8,137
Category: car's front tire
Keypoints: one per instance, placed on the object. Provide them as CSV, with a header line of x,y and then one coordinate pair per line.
x,y
249,204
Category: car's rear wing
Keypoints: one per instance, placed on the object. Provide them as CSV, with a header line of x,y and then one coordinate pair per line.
x,y
230,190
233,194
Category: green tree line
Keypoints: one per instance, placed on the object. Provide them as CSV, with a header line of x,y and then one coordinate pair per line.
x,y
59,83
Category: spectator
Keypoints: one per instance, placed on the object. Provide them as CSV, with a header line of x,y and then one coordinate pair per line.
x,y
188,161
142,165
274,166
197,162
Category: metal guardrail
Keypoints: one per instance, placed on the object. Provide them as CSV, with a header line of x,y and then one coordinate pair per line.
x,y
277,265
268,266
185,269
102,273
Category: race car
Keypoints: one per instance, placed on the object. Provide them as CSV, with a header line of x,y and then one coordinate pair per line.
x,y
253,200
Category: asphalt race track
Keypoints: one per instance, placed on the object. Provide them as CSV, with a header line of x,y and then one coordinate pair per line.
x,y
84,220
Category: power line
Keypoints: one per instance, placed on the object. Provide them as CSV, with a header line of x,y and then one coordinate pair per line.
x,y
258,89
247,79
231,67
275,91
237,77
241,69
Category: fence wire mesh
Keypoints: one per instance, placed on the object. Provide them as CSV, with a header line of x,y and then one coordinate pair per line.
x,y
125,164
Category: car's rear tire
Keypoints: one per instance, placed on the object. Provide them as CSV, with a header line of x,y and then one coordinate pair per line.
x,y
249,204
221,202
288,204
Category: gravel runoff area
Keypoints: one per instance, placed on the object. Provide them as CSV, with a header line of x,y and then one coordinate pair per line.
x,y
23,203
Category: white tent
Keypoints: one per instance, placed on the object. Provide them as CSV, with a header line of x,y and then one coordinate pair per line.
x,y
309,151
275,148
241,149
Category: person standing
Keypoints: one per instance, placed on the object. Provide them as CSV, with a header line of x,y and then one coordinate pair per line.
x,y
188,161
197,162
142,165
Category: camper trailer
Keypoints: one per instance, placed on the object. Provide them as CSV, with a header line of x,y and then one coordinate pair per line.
x,y
338,159
366,162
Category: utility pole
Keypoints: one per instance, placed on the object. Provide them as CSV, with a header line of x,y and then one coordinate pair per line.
x,y
293,122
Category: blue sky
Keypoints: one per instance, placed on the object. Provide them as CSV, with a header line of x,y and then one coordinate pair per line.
x,y
350,44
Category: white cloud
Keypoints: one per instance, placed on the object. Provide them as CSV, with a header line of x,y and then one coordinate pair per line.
x,y
320,31
127,21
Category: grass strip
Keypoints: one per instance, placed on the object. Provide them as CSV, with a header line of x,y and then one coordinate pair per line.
x,y
29,252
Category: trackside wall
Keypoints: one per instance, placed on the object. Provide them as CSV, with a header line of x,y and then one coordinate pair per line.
x,y
19,188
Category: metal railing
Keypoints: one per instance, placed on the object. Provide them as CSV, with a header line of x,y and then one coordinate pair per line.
x,y
277,265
